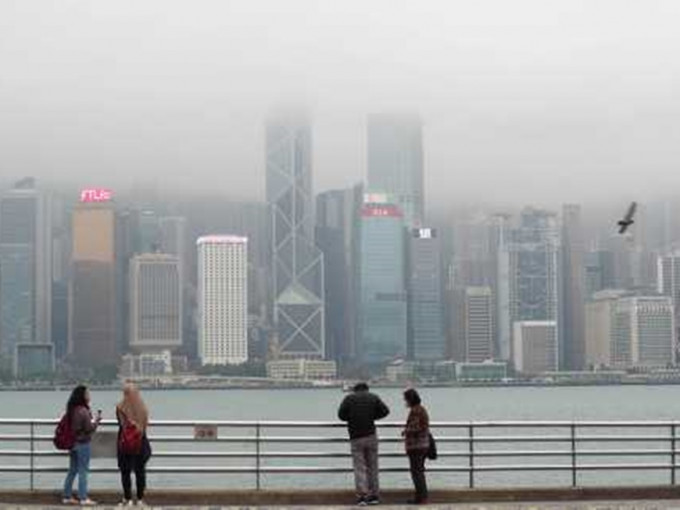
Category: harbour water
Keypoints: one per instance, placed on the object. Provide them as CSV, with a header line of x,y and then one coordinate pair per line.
x,y
445,404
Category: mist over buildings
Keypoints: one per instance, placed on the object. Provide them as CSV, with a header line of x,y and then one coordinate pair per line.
x,y
521,102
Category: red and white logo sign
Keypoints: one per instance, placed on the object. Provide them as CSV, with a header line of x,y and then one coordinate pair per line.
x,y
90,195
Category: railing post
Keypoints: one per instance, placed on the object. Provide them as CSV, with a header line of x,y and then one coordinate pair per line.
x,y
471,453
673,445
573,455
31,457
257,456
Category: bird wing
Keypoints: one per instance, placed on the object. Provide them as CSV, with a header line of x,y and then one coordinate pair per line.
x,y
631,211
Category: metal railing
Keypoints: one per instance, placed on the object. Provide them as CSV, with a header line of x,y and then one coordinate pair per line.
x,y
274,448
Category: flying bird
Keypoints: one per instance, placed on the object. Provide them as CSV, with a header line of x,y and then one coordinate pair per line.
x,y
627,220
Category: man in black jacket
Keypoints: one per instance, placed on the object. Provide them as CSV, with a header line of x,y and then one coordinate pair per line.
x,y
360,410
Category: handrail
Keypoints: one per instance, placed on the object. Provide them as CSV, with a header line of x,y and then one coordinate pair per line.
x,y
265,449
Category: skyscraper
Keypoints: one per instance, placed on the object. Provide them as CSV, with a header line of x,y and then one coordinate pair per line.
x,y
668,283
173,239
599,319
572,320
395,163
93,293
155,302
298,277
382,288
222,300
336,235
427,341
533,269
479,324
25,268
644,332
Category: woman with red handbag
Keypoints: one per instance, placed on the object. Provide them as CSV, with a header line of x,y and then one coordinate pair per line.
x,y
134,449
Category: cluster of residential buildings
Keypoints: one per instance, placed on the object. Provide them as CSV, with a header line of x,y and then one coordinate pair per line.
x,y
350,280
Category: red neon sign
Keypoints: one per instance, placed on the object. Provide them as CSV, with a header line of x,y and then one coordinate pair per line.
x,y
385,211
89,195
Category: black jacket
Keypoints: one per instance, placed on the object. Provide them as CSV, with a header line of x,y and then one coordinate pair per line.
x,y
360,410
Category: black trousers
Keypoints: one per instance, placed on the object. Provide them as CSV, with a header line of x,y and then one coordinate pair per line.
x,y
136,464
416,459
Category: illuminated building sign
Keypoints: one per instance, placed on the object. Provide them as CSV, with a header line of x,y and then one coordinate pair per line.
x,y
384,211
90,195
424,233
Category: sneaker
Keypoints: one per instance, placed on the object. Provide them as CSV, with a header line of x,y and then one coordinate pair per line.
x,y
362,502
87,502
125,502
141,503
373,501
70,501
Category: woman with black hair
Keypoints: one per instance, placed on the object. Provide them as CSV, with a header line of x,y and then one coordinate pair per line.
x,y
417,442
83,427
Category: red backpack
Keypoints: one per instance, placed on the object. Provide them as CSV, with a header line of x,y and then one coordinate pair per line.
x,y
130,437
64,437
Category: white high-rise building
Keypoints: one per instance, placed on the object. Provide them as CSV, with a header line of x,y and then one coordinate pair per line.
x,y
643,332
479,324
155,302
222,300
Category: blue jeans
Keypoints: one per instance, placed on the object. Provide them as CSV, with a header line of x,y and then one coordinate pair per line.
x,y
79,465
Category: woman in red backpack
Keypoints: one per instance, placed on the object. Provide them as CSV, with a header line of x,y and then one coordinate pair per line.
x,y
134,449
83,427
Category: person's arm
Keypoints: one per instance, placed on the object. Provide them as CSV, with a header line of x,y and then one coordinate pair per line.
x,y
343,410
381,409
83,422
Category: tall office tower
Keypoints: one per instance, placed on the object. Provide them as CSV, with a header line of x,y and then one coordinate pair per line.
x,y
533,268
382,286
426,337
297,272
668,283
572,320
535,347
173,235
501,287
149,232
644,332
479,324
395,163
93,340
599,327
599,271
155,303
25,268
222,300
336,236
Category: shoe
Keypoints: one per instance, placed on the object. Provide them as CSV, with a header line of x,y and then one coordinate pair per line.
x,y
140,503
373,501
70,501
87,502
362,502
125,502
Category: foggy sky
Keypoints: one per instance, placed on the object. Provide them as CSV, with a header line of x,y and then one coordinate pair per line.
x,y
522,101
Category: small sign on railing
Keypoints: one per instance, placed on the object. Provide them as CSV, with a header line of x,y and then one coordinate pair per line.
x,y
104,445
205,432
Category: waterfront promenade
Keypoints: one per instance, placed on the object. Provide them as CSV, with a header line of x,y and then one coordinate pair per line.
x,y
649,498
